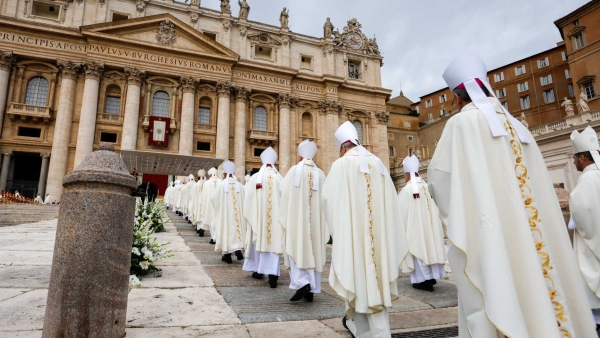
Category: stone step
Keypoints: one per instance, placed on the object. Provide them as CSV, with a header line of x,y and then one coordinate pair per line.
x,y
13,214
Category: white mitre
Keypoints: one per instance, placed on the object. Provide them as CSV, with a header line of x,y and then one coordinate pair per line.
x,y
307,150
229,169
467,69
347,133
201,173
190,178
268,156
587,140
212,172
411,166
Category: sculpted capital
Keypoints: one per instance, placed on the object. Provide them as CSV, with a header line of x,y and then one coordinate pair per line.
x,y
134,76
6,152
92,69
287,100
68,69
188,84
382,117
224,88
45,155
330,107
242,93
7,60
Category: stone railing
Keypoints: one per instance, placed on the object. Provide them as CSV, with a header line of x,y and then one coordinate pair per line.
x,y
207,128
263,137
110,117
566,122
28,112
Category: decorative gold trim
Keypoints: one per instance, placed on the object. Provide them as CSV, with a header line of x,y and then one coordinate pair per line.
x,y
310,195
369,205
269,209
237,215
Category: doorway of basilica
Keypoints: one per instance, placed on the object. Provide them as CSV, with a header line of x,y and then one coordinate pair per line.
x,y
24,173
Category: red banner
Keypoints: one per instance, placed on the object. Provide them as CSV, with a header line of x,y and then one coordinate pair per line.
x,y
159,131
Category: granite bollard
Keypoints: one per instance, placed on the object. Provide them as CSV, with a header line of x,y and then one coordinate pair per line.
x,y
90,269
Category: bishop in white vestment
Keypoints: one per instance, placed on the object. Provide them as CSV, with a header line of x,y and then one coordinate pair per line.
x,y
197,195
360,204
228,218
585,214
185,196
261,210
206,208
177,197
509,249
168,193
38,199
48,199
424,232
306,232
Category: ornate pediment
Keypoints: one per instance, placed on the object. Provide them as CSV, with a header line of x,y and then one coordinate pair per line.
x,y
352,39
265,39
159,31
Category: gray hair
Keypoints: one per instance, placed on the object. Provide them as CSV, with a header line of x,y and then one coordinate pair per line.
x,y
464,95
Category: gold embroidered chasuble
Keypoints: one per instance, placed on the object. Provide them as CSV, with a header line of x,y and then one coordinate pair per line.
x,y
206,208
509,248
228,219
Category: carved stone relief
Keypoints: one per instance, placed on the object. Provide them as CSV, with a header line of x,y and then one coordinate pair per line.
x,y
166,34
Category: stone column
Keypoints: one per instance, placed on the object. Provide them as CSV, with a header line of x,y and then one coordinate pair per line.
x,y
286,101
4,169
224,93
188,105
239,138
132,108
381,137
43,174
62,129
332,109
89,281
89,109
7,60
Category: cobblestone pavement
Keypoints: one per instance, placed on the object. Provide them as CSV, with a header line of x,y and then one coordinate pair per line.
x,y
198,294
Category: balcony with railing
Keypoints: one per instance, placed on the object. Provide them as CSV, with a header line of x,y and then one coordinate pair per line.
x,y
111,117
262,136
29,113
206,128
566,123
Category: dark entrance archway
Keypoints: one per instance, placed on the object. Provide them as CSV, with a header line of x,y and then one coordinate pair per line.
x,y
24,173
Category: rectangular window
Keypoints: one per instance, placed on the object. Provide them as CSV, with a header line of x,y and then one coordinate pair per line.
x,y
442,112
29,132
203,146
305,62
390,136
430,118
354,69
588,88
571,91
521,87
520,70
525,103
499,77
203,115
113,105
505,105
576,23
407,125
500,93
578,41
263,52
563,55
392,152
546,80
45,10
567,73
549,96
108,137
258,151
210,35
389,122
119,17
410,138
545,62
442,98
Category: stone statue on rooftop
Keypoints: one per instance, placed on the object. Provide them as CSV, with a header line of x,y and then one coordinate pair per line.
x,y
244,9
568,104
583,106
284,18
328,29
225,7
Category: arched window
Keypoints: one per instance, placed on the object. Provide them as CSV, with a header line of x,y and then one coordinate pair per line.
x,y
307,125
160,104
260,118
113,100
37,91
359,130
204,111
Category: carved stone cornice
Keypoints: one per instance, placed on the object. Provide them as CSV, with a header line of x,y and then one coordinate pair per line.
x,y
194,18
328,49
6,152
243,31
330,107
68,69
242,93
224,88
140,5
45,155
382,117
287,100
92,69
188,84
134,76
7,60
226,25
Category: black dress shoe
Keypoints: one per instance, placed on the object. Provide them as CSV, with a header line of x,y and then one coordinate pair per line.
x,y
423,286
346,326
432,282
212,242
239,255
189,222
257,275
201,232
227,258
273,281
300,293
309,297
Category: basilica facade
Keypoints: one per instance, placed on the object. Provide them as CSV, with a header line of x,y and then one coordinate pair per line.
x,y
174,77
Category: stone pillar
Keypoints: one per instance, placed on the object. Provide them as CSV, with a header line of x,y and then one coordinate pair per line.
x,y
89,110
132,108
7,60
62,129
4,169
239,138
286,101
332,109
89,281
381,138
43,174
188,105
224,93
